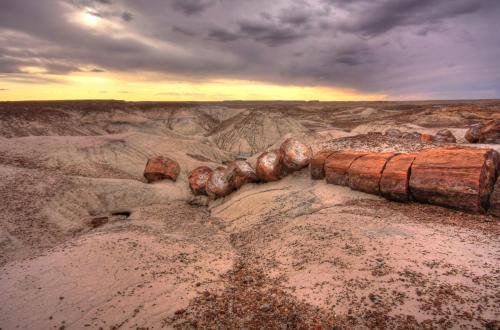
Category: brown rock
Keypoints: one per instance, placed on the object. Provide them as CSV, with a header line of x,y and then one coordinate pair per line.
x,y
317,164
365,172
161,168
219,183
243,173
427,138
393,132
495,200
412,135
394,183
337,166
473,133
460,178
444,136
269,167
295,154
198,180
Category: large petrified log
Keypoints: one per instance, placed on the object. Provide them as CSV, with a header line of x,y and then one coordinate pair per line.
x,y
219,183
460,178
243,173
198,180
317,164
269,166
394,183
337,166
161,168
365,172
295,154
495,200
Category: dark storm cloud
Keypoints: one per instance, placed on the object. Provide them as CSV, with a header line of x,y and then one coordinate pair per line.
x,y
399,47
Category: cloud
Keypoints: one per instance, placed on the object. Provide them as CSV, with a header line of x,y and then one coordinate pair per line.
x,y
396,47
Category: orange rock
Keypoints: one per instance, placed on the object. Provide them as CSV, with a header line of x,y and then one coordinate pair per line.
x,y
198,179
243,173
295,154
317,164
269,166
337,166
426,138
460,178
219,183
394,183
365,172
161,168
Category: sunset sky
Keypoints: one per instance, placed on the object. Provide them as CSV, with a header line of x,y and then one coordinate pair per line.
x,y
256,50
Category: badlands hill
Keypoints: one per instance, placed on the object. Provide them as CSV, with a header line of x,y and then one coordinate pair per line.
x,y
85,242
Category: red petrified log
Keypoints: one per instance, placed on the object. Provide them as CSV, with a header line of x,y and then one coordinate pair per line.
x,y
317,164
295,154
460,178
161,168
394,183
365,172
198,180
269,166
243,173
219,183
488,132
337,166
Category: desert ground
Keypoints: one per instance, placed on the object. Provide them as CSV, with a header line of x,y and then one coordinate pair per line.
x,y
86,242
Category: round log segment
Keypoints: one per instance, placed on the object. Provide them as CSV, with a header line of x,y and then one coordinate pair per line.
x,y
394,183
460,178
219,183
198,180
161,168
337,166
243,173
444,136
295,154
317,164
269,166
365,172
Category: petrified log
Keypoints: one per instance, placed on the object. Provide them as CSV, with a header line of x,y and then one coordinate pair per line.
x,y
161,168
490,132
445,136
198,180
394,183
219,183
427,138
460,178
317,164
365,172
269,166
295,154
472,135
337,166
495,200
243,173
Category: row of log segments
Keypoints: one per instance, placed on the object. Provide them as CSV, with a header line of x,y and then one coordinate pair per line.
x,y
459,178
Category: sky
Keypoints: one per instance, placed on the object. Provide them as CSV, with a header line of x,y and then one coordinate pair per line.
x,y
209,50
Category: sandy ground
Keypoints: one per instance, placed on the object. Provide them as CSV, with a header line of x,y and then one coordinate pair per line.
x,y
86,243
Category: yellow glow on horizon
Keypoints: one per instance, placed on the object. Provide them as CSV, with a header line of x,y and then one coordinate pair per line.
x,y
107,86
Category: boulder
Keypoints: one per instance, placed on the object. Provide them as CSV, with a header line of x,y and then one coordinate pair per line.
x,y
394,183
412,135
495,200
427,138
243,173
198,180
460,178
488,132
444,136
472,135
317,164
219,183
161,168
393,132
295,154
269,166
338,164
365,172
